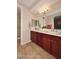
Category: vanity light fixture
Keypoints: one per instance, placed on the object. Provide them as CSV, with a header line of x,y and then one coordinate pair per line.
x,y
44,11
43,14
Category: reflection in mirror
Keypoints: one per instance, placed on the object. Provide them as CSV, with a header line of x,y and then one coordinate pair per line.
x,y
46,23
35,23
57,22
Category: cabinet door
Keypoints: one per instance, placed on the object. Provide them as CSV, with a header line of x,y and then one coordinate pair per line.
x,y
56,47
39,39
46,42
34,37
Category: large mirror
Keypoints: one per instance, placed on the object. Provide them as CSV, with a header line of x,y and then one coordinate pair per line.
x,y
48,22
54,21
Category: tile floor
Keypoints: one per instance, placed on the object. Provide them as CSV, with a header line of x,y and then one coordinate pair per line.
x,y
32,51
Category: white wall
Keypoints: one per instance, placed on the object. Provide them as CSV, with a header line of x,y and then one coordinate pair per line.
x,y
26,17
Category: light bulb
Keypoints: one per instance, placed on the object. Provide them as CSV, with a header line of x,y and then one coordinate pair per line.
x,y
45,9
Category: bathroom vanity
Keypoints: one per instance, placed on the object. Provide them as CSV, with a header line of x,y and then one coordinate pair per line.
x,y
47,33
50,42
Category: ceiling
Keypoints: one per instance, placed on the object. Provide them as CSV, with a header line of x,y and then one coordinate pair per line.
x,y
29,3
35,6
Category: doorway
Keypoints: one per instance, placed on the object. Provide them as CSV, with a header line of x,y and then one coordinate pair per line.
x,y
19,24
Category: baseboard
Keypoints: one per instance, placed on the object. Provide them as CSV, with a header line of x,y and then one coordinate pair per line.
x,y
23,43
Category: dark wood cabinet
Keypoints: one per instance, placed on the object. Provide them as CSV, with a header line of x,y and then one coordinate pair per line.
x,y
56,46
39,39
50,43
34,37
46,42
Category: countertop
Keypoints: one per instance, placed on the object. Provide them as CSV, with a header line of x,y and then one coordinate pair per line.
x,y
47,31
